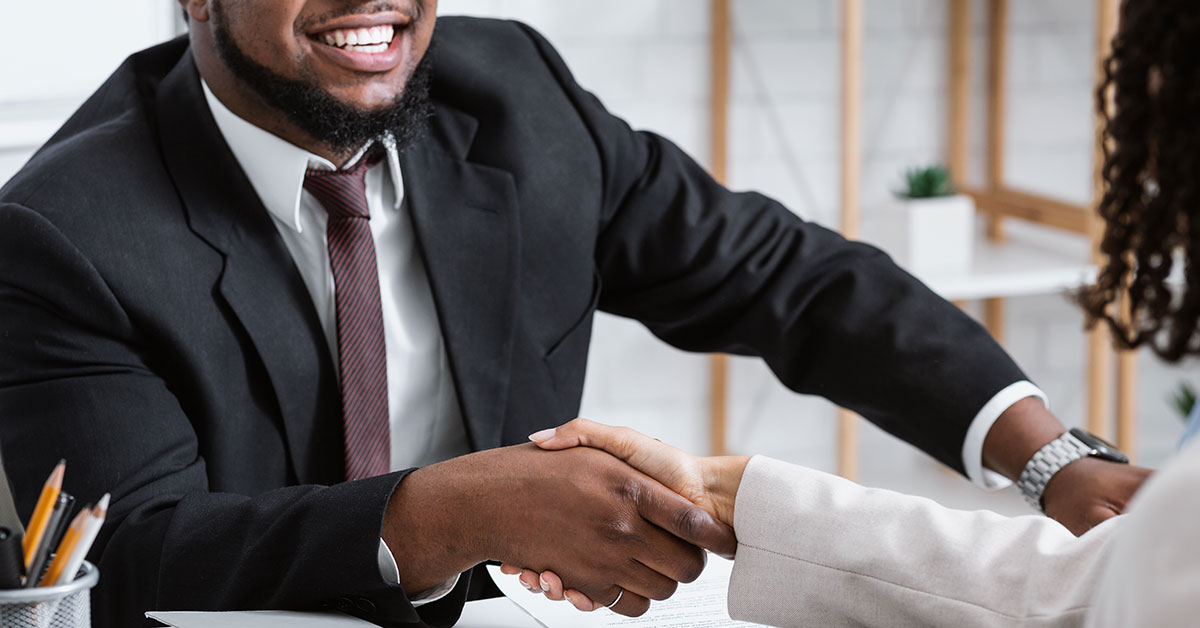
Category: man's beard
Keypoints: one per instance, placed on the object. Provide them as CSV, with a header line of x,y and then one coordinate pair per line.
x,y
342,128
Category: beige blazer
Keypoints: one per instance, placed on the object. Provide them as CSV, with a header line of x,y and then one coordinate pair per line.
x,y
817,550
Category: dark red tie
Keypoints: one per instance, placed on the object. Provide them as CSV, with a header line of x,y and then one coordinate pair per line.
x,y
362,353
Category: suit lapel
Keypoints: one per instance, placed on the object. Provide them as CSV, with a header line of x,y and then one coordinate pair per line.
x,y
465,219
259,282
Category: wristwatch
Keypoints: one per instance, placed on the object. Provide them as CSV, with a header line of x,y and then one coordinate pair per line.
x,y
1059,453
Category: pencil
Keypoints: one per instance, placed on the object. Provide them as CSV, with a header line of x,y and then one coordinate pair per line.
x,y
91,528
63,554
41,513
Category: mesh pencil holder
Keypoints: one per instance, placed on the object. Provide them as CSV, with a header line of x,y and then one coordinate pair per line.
x,y
62,606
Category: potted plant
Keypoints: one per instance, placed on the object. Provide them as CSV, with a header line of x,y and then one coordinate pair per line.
x,y
1184,400
930,228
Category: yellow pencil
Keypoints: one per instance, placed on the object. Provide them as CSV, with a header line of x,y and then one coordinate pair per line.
x,y
41,513
63,554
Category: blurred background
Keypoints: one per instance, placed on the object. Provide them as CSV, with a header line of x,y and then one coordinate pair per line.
x,y
649,62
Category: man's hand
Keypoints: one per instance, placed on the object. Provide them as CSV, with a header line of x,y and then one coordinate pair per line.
x,y
708,482
1086,492
608,529
1082,494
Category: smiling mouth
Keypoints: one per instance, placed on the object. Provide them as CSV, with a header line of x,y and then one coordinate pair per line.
x,y
369,40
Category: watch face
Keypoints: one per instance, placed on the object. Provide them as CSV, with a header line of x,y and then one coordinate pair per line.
x,y
1103,449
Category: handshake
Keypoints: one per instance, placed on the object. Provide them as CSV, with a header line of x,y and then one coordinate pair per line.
x,y
605,516
665,507
709,483
599,515
665,559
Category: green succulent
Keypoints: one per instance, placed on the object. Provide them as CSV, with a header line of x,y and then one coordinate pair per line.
x,y
927,182
1184,399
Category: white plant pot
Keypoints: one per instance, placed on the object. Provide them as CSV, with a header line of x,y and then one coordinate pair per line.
x,y
929,235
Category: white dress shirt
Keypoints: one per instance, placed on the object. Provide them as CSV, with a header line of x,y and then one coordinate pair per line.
x,y
425,420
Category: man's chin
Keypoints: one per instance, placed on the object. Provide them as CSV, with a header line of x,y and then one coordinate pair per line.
x,y
366,105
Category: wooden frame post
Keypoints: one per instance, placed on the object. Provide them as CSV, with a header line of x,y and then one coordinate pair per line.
x,y
993,309
958,54
1107,12
1100,341
852,47
721,45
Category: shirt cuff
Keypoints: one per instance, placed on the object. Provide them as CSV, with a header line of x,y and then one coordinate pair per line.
x,y
390,571
972,449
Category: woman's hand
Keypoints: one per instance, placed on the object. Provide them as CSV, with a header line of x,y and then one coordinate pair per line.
x,y
710,483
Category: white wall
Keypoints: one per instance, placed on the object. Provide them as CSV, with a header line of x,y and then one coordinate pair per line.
x,y
648,61
42,81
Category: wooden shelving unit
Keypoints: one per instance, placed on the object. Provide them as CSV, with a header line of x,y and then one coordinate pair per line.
x,y
1001,268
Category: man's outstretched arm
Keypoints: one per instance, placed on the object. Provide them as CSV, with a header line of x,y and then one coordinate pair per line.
x,y
712,270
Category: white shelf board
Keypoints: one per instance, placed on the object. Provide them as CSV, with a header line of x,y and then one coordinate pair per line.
x,y
1012,269
1033,261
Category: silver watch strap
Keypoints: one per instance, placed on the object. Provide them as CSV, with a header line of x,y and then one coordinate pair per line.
x,y
1057,454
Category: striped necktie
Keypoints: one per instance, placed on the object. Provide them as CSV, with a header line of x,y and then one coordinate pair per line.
x,y
362,354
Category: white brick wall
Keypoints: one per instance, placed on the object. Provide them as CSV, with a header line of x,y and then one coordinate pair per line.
x,y
649,64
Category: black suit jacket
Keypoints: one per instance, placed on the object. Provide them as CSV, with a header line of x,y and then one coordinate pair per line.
x,y
155,332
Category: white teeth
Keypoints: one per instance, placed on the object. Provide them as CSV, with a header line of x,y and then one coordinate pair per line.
x,y
373,39
370,48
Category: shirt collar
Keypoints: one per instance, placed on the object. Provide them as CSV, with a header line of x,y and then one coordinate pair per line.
x,y
276,167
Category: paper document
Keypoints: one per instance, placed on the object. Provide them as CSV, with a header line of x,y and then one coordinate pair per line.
x,y
497,612
257,619
700,604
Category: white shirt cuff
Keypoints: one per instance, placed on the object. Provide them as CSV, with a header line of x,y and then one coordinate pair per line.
x,y
972,449
390,572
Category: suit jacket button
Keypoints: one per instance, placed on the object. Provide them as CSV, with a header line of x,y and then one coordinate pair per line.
x,y
343,604
365,606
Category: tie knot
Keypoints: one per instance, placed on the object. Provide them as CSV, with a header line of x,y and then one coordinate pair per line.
x,y
343,193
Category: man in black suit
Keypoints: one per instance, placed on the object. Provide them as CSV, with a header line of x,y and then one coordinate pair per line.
x,y
257,405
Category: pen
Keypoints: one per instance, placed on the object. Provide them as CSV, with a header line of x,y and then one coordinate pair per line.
x,y
65,549
42,552
41,513
60,527
91,528
12,562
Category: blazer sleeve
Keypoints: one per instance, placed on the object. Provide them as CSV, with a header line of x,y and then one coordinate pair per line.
x,y
817,550
73,384
1152,575
708,269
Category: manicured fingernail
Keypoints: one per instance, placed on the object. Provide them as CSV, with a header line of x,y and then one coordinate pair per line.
x,y
545,585
570,599
543,435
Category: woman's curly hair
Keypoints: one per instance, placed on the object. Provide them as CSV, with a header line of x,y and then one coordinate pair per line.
x,y
1150,102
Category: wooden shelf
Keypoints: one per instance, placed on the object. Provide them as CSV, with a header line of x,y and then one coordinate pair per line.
x,y
1002,267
